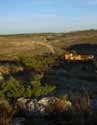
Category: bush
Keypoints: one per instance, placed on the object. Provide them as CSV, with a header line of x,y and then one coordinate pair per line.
x,y
5,112
12,88
38,89
59,106
40,63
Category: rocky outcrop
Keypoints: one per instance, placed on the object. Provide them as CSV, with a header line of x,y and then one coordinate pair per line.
x,y
48,100
30,106
55,110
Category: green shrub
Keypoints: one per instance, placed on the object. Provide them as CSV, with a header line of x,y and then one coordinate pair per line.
x,y
40,63
38,89
12,88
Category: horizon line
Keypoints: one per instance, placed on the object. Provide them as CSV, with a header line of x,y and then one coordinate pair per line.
x,y
29,33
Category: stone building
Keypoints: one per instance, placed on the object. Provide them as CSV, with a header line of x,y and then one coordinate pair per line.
x,y
72,56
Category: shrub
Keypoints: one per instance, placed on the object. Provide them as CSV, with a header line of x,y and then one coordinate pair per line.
x,y
38,89
41,63
59,106
5,112
12,88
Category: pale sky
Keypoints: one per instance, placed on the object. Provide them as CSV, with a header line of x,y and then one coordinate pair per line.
x,y
30,16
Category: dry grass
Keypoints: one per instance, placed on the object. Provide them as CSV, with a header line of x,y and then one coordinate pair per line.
x,y
12,45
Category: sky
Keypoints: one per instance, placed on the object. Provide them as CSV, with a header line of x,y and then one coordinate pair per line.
x,y
32,16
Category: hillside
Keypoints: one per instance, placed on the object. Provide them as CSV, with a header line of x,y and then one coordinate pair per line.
x,y
13,45
38,85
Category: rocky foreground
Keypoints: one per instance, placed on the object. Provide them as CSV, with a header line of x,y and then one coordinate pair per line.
x,y
78,109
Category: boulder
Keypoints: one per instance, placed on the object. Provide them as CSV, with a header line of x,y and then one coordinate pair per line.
x,y
48,100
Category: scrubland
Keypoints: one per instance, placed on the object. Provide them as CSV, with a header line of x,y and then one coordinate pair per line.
x,y
32,67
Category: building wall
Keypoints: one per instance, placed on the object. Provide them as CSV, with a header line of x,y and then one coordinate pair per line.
x,y
71,56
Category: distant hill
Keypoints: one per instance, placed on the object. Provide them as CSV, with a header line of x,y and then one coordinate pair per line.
x,y
14,45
